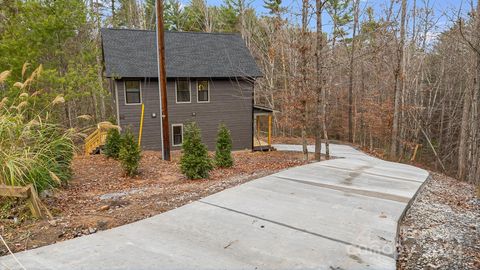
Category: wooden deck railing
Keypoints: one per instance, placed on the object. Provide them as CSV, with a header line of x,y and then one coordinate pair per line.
x,y
98,137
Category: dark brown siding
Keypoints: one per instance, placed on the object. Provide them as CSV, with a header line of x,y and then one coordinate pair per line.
x,y
230,103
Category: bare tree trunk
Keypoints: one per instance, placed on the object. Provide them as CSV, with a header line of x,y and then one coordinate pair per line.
x,y
475,141
320,81
100,82
304,130
324,124
352,70
442,120
463,139
99,62
399,83
468,141
303,52
243,25
112,9
285,88
473,176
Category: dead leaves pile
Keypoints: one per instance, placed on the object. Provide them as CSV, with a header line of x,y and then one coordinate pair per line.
x,y
79,209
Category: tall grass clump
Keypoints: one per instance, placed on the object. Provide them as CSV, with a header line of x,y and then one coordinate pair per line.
x,y
33,149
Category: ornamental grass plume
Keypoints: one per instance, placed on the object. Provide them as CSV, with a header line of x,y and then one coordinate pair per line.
x,y
33,149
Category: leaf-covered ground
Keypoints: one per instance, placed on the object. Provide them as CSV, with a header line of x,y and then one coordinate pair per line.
x,y
100,197
441,230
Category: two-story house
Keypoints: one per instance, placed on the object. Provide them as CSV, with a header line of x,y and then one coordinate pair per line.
x,y
210,80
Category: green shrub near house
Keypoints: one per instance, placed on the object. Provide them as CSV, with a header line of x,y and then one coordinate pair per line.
x,y
113,143
130,154
195,163
223,149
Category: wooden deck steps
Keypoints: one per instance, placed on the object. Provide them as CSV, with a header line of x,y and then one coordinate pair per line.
x,y
95,141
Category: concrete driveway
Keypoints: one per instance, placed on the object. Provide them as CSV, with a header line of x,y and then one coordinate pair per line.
x,y
336,214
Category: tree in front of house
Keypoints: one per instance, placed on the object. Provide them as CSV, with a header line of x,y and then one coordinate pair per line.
x,y
195,163
223,150
113,143
130,154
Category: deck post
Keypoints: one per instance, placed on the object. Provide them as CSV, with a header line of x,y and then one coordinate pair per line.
x,y
258,127
269,129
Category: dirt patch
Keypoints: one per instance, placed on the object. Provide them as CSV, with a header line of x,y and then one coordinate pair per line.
x,y
441,230
99,197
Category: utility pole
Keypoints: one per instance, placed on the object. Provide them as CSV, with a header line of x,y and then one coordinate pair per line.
x,y
162,80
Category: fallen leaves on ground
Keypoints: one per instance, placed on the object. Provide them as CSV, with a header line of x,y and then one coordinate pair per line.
x,y
100,197
441,229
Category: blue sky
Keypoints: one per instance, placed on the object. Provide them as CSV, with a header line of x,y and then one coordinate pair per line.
x,y
444,10
439,5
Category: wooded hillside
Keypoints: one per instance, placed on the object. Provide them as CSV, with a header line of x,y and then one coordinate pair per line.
x,y
386,78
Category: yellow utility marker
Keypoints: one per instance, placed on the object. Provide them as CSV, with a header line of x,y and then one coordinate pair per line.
x,y
141,125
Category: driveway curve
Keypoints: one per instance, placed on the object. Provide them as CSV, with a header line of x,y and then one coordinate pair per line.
x,y
336,214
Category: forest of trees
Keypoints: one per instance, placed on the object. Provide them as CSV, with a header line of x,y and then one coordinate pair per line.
x,y
384,78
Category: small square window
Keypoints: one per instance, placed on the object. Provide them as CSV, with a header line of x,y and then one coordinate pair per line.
x,y
183,90
132,92
177,134
203,91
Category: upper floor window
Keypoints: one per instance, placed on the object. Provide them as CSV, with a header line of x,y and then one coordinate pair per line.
x,y
203,91
182,87
133,93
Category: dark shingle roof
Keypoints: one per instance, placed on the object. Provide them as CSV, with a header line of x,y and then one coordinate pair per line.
x,y
132,53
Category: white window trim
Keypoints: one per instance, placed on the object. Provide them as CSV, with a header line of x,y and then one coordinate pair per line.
x,y
208,89
189,90
125,92
173,134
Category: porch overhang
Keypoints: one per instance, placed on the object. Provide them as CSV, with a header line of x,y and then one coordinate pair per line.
x,y
261,110
262,139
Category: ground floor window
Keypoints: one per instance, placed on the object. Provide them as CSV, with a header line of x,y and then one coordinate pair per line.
x,y
177,134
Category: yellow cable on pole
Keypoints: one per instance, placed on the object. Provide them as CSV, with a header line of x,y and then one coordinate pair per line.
x,y
141,126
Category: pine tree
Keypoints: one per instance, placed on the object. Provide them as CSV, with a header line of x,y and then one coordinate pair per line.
x,y
150,14
174,16
227,19
195,163
113,143
274,6
223,151
130,154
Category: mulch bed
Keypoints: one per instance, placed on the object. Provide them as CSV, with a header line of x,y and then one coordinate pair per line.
x,y
100,197
441,230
